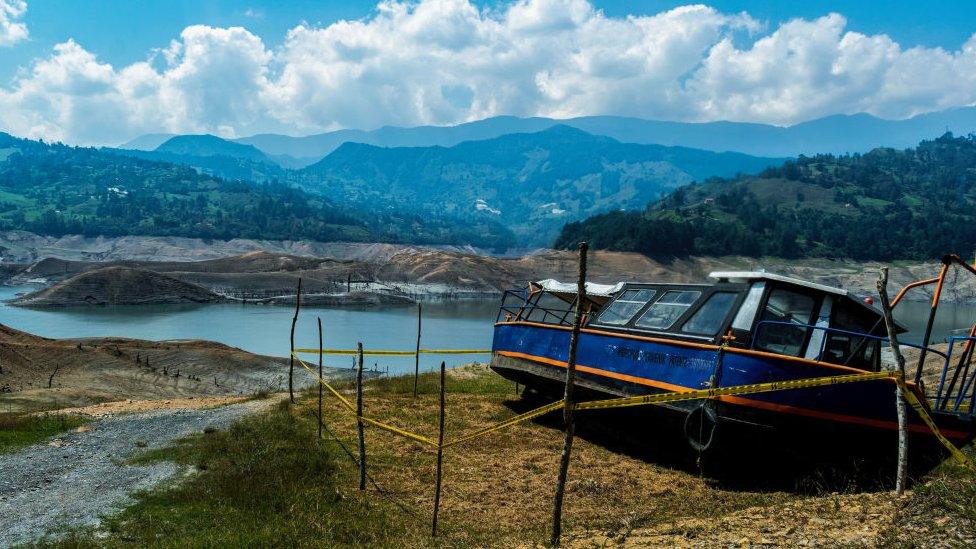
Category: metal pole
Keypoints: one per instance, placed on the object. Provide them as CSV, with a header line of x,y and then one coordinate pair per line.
x,y
359,417
557,506
440,456
416,358
291,356
901,477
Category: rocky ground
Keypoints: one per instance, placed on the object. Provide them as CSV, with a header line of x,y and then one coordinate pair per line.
x,y
72,480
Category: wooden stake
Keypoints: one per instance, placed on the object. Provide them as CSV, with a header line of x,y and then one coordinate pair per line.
x,y
440,456
291,356
320,376
557,505
416,357
359,417
902,475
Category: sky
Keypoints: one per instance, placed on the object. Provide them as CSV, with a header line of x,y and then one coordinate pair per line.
x,y
103,72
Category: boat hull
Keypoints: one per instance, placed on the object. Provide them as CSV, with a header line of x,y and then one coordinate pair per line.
x,y
611,364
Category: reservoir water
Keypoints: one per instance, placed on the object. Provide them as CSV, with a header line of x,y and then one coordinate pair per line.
x,y
264,329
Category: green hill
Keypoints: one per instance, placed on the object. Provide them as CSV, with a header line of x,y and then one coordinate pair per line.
x,y
885,204
55,189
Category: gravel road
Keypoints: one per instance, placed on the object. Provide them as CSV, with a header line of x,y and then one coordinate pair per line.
x,y
75,478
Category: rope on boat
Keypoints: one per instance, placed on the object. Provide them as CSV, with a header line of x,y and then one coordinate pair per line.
x,y
661,398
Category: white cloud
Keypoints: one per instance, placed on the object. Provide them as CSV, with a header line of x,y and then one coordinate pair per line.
x,y
12,30
448,61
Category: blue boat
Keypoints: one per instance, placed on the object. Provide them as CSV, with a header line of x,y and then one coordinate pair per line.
x,y
744,328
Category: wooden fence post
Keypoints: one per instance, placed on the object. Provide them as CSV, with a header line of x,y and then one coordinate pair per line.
x,y
570,425
320,376
291,356
359,417
416,357
902,476
440,456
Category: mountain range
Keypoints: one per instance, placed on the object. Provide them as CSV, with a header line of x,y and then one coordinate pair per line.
x,y
836,134
531,183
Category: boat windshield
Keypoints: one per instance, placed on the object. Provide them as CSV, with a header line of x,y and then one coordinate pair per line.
x,y
795,311
711,315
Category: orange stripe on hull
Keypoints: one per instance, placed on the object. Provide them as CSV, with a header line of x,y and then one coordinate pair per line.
x,y
740,401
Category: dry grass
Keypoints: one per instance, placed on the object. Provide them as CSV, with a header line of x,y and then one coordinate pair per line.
x,y
268,481
498,490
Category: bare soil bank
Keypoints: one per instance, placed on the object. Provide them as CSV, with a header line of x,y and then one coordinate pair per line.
x,y
271,269
118,286
52,373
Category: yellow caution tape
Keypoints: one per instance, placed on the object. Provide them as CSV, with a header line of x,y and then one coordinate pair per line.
x,y
425,440
507,423
348,405
956,453
661,398
401,432
396,353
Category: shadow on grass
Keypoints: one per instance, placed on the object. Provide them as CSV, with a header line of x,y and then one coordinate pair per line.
x,y
808,463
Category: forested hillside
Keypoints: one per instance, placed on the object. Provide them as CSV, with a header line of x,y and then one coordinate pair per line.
x,y
532,183
54,189
886,204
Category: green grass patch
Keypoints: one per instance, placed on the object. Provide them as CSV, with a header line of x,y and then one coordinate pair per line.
x,y
19,430
266,481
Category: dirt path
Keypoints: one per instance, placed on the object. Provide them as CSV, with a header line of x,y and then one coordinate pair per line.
x,y
73,479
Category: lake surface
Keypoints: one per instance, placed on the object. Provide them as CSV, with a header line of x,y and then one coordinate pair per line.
x,y
264,329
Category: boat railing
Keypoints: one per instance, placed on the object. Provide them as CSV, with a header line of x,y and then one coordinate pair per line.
x,y
958,396
535,306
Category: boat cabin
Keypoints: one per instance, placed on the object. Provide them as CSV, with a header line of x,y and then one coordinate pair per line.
x,y
754,309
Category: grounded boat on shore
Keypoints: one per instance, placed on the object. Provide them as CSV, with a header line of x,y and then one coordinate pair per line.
x,y
745,328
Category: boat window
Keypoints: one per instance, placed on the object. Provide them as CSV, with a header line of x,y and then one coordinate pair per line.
x,y
789,307
667,309
626,306
549,309
710,316
849,349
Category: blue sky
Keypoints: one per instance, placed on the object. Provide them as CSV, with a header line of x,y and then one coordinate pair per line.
x,y
78,58
122,31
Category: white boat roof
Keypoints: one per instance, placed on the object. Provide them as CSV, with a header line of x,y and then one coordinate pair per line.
x,y
592,289
749,276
